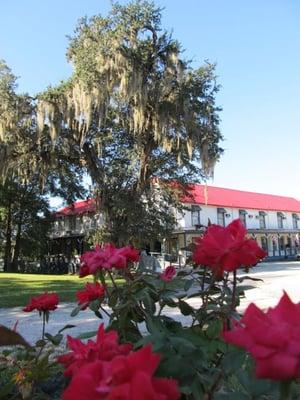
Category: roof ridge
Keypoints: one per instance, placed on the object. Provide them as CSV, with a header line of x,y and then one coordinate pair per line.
x,y
244,191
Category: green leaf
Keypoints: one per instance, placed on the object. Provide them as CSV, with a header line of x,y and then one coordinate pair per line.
x,y
69,326
214,329
40,343
113,299
243,278
197,389
243,288
232,396
6,390
154,324
98,314
77,309
94,305
185,308
87,335
170,303
149,304
188,284
183,346
56,340
233,360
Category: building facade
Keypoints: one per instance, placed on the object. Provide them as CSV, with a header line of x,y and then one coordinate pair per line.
x,y
71,226
274,221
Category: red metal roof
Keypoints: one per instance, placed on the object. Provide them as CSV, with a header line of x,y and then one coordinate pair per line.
x,y
79,207
210,195
216,196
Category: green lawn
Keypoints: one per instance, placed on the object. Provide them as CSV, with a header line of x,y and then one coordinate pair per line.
x,y
16,289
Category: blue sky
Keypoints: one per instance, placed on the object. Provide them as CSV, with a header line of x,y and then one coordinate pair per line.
x,y
256,45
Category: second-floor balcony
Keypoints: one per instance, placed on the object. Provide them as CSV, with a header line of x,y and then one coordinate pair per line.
x,y
77,229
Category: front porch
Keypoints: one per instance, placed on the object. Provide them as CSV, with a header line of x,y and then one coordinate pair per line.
x,y
279,244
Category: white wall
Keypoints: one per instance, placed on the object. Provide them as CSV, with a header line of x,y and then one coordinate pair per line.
x,y
252,221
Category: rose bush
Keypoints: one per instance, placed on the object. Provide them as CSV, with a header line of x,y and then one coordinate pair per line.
x,y
145,352
105,348
272,338
227,248
125,377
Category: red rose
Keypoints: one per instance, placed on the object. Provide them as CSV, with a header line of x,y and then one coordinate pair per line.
x,y
106,257
227,248
43,302
105,348
84,271
131,254
92,291
127,377
272,338
168,274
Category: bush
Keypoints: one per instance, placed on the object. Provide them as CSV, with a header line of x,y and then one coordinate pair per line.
x,y
145,352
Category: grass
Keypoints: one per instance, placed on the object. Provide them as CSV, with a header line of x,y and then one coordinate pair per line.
x,y
17,289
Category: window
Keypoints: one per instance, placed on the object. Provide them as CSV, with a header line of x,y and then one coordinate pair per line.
x,y
280,218
262,219
59,224
264,243
281,243
221,216
242,215
295,221
72,223
195,215
79,222
274,243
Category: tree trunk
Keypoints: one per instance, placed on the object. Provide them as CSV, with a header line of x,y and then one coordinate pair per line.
x,y
145,157
8,231
17,247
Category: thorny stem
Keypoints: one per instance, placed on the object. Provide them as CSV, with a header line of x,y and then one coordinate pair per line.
x,y
203,278
233,302
212,282
285,390
161,306
217,381
112,280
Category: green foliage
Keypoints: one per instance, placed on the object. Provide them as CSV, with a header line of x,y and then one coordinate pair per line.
x,y
24,221
192,351
24,371
143,310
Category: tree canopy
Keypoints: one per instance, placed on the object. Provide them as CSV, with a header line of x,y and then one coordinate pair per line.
x,y
134,112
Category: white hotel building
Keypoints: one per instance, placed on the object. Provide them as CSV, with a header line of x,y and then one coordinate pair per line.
x,y
274,221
